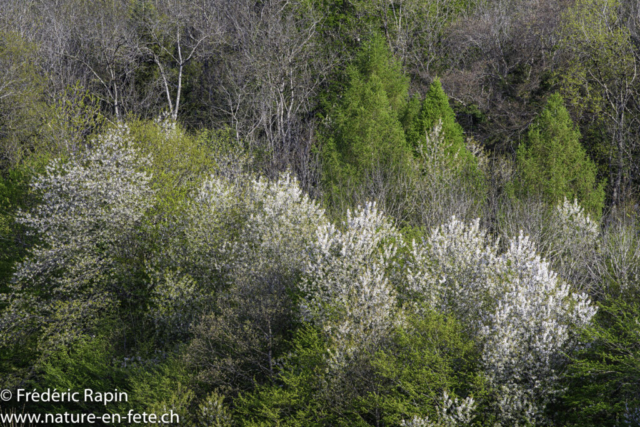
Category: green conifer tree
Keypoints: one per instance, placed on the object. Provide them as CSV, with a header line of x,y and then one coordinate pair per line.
x,y
553,163
365,137
435,107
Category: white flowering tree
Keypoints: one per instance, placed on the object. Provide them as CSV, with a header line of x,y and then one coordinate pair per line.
x,y
350,282
246,241
451,413
282,222
88,222
452,269
524,336
575,246
520,310
248,230
565,234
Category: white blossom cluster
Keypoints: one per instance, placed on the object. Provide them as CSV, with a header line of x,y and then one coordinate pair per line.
x,y
525,334
576,223
574,243
165,122
350,280
565,234
281,224
452,268
211,225
90,213
93,195
519,308
253,232
353,276
451,413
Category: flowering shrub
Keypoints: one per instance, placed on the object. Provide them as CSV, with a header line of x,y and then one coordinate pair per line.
x,y
576,224
565,234
526,332
243,232
452,268
246,240
572,250
282,222
451,413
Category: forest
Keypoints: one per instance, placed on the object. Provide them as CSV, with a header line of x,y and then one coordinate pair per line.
x,y
416,213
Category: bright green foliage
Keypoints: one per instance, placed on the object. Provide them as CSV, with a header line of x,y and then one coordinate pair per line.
x,y
446,163
294,400
604,378
160,387
435,108
14,195
29,122
70,122
90,364
15,242
409,117
374,59
366,139
179,160
428,356
553,163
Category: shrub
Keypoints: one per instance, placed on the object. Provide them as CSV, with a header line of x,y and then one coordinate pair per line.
x,y
349,284
247,241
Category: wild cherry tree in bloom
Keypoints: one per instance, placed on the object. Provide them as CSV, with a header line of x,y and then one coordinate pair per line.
x,y
250,230
281,224
246,241
89,220
350,282
451,413
521,311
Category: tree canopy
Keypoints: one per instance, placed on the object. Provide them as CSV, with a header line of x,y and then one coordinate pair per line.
x,y
553,163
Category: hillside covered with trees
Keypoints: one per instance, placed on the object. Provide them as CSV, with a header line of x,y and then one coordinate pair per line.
x,y
323,212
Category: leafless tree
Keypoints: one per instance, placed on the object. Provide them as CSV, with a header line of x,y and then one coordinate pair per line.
x,y
271,69
105,46
499,55
174,33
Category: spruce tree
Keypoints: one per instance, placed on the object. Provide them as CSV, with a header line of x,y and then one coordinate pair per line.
x,y
552,162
